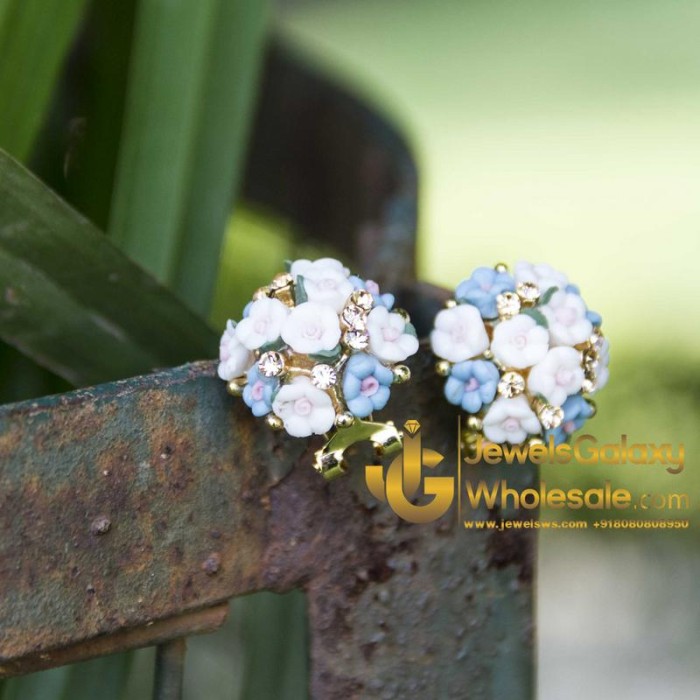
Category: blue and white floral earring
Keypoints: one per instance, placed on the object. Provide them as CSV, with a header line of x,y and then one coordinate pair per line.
x,y
317,353
521,354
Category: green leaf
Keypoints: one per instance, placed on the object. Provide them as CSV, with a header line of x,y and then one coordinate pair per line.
x,y
544,299
300,295
274,666
102,678
169,61
226,109
410,329
35,36
537,315
73,302
189,100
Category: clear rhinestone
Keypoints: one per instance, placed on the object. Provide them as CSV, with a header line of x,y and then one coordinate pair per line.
x,y
597,340
590,362
354,316
529,292
511,384
357,340
550,416
362,298
508,304
323,376
271,364
588,386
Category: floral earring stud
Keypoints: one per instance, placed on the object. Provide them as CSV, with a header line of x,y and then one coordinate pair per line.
x,y
317,353
521,354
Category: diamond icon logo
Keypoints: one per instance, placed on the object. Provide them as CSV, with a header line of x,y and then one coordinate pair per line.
x,y
411,426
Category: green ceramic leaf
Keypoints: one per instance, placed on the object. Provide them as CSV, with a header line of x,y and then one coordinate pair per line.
x,y
327,356
300,295
537,315
544,299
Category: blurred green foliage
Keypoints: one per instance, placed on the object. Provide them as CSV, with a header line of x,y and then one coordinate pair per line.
x,y
136,112
34,37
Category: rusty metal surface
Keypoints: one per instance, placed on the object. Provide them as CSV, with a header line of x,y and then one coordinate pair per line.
x,y
198,622
141,500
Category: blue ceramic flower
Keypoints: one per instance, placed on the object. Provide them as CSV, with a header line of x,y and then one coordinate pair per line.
x,y
576,411
366,383
380,299
259,391
595,318
472,384
482,288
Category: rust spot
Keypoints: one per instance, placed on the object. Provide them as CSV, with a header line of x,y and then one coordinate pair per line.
x,y
368,650
511,548
100,525
212,564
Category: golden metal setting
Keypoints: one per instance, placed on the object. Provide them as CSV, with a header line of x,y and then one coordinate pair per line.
x,y
235,386
401,374
274,422
329,461
443,368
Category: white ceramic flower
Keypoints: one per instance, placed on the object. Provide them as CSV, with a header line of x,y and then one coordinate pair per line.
x,y
459,333
304,409
263,323
543,275
557,376
566,316
510,420
325,281
311,327
519,342
602,371
234,359
388,339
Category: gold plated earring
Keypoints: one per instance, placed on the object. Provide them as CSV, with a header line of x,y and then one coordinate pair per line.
x,y
521,354
317,352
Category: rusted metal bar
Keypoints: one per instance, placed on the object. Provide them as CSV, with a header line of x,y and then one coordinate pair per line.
x,y
133,502
170,668
336,167
198,622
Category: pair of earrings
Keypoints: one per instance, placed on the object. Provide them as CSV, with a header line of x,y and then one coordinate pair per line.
x,y
318,351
